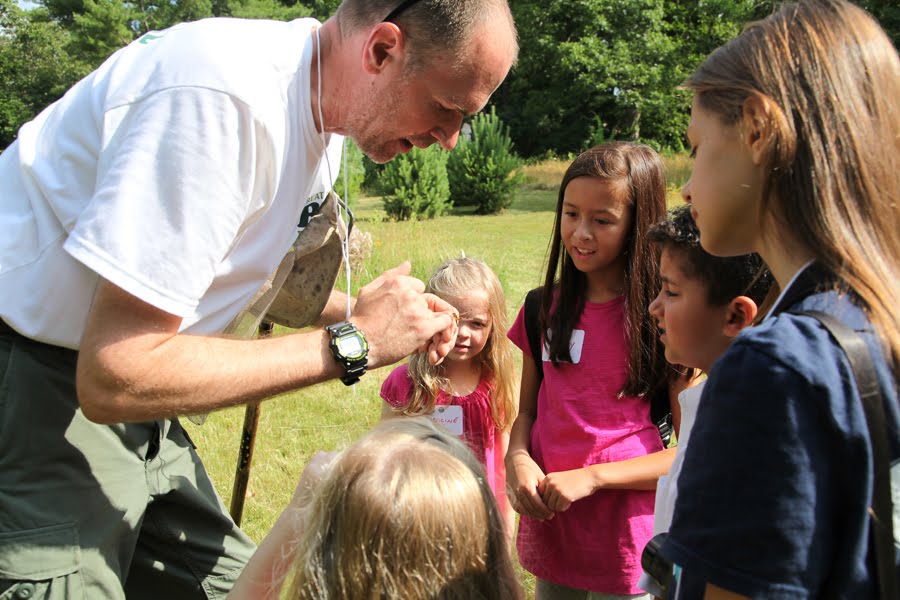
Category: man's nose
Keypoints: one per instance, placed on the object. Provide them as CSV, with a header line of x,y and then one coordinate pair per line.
x,y
447,141
447,133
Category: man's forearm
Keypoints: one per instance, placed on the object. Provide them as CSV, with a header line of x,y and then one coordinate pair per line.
x,y
185,374
133,365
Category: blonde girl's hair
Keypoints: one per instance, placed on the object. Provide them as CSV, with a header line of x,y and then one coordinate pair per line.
x,y
830,78
405,513
459,278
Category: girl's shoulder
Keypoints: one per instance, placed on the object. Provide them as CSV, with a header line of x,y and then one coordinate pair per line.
x,y
800,342
792,355
486,385
397,387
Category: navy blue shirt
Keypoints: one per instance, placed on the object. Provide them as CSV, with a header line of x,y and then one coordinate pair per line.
x,y
777,480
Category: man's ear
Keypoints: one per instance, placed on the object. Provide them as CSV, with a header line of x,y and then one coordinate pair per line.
x,y
757,127
385,44
740,313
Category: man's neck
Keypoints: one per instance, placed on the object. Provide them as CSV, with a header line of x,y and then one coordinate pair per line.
x,y
326,39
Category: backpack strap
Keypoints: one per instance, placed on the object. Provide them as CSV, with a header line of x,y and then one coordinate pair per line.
x,y
881,511
533,328
661,414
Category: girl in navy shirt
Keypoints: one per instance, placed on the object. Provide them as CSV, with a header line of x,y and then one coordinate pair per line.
x,y
795,129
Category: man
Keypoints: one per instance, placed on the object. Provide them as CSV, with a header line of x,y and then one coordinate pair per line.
x,y
140,214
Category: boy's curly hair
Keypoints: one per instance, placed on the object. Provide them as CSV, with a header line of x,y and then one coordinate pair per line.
x,y
725,277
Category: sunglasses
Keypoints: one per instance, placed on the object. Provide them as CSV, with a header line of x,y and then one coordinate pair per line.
x,y
399,10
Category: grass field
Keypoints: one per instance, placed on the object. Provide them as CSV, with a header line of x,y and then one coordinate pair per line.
x,y
294,426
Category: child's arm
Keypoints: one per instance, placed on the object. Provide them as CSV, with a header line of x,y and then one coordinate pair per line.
x,y
559,490
523,474
509,517
267,569
562,488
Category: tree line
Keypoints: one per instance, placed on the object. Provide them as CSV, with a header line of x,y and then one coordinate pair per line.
x,y
588,70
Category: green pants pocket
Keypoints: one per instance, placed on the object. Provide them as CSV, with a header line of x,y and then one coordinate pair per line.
x,y
41,563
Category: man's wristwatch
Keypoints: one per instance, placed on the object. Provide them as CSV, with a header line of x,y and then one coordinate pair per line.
x,y
350,348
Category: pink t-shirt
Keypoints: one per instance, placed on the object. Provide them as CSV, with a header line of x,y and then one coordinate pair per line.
x,y
478,428
596,545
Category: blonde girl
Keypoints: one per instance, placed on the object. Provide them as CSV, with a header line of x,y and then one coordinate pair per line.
x,y
404,513
472,392
795,128
584,454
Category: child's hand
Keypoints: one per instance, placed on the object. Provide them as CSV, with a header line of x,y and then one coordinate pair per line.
x,y
559,490
522,478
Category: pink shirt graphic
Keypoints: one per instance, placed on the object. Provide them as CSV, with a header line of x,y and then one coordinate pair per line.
x,y
479,430
595,545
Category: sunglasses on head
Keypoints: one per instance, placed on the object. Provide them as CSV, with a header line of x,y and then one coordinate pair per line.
x,y
399,10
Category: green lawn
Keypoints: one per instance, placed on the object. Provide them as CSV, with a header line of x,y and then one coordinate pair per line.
x,y
295,426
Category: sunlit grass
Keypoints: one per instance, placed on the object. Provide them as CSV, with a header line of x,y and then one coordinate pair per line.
x,y
547,174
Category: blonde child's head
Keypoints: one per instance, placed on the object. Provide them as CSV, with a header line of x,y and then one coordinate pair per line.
x,y
404,513
470,280
812,93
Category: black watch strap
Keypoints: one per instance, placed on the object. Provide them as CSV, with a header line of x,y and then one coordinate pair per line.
x,y
350,349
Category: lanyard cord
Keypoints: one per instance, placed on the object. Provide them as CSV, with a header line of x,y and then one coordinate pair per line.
x,y
343,232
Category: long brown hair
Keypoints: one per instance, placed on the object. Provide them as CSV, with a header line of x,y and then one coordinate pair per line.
x,y
831,80
640,171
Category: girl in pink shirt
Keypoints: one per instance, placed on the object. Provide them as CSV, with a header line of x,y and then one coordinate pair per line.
x,y
472,393
584,455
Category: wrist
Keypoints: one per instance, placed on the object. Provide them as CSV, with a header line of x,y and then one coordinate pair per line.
x,y
598,482
515,454
350,349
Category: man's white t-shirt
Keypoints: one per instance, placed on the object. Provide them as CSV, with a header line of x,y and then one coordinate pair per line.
x,y
181,171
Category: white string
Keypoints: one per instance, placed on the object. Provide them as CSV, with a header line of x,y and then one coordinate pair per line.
x,y
344,232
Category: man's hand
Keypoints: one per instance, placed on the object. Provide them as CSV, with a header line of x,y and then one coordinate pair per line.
x,y
398,319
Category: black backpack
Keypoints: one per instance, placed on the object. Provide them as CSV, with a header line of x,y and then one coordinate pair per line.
x,y
660,410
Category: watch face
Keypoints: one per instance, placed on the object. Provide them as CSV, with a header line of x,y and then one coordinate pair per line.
x,y
350,346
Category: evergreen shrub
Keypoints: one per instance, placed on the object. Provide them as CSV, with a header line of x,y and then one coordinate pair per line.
x,y
484,169
415,184
352,160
